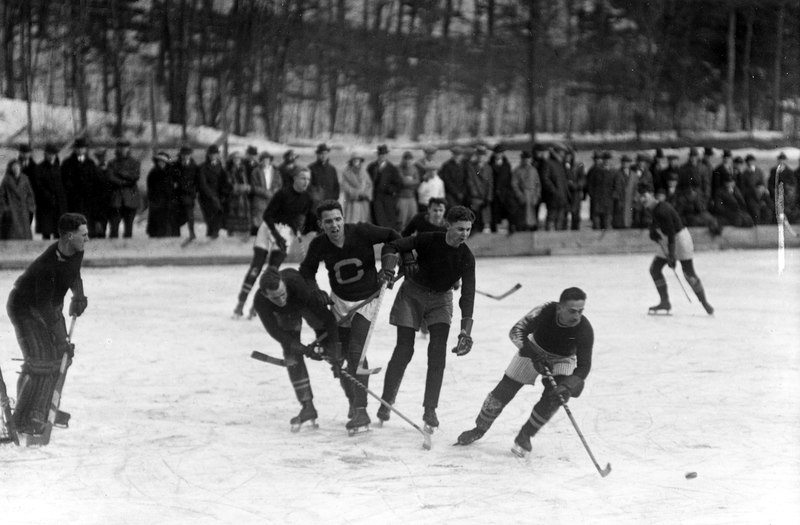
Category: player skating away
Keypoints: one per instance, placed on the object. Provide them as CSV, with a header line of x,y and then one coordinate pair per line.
x,y
348,253
35,308
553,334
667,223
431,220
283,301
426,295
284,222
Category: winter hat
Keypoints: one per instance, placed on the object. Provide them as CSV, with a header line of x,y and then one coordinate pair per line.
x,y
252,150
162,156
322,148
271,279
383,149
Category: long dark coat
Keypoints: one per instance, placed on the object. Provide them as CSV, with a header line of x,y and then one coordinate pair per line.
x,y
51,200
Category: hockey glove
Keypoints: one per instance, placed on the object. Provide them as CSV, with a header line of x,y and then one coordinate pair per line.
x,y
537,355
671,262
66,347
77,305
323,299
332,352
295,351
568,386
410,265
387,271
464,344
655,236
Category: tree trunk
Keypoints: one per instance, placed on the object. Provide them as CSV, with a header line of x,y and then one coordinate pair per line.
x,y
530,70
747,114
731,69
8,48
776,122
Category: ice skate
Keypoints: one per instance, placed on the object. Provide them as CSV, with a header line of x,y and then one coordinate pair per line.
x,y
430,420
359,422
470,436
62,419
661,308
383,414
708,307
252,314
522,445
238,312
307,413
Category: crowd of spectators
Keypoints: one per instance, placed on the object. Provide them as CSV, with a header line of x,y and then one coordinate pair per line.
x,y
545,189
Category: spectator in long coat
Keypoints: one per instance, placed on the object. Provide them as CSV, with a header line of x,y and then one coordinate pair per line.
x,y
754,190
555,192
265,181
162,198
77,176
124,172
659,169
288,168
527,188
784,174
51,201
729,205
28,165
721,172
17,203
576,188
454,176
324,179
694,174
212,191
480,184
237,211
407,197
626,194
186,173
102,191
357,191
504,202
386,184
600,188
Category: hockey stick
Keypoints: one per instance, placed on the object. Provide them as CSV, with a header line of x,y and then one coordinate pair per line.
x,y
426,437
55,401
11,427
603,471
502,295
360,370
281,362
675,272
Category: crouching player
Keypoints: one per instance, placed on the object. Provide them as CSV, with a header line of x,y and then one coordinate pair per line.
x,y
426,296
555,338
282,303
35,308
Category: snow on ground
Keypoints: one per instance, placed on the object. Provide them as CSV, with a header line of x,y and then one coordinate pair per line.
x,y
174,423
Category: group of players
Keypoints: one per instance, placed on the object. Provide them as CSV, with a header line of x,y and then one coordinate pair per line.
x,y
554,340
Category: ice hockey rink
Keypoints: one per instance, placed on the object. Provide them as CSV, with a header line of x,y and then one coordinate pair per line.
x,y
173,422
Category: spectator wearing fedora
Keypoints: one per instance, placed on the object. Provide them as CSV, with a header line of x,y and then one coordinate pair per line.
x,y
720,173
25,157
250,160
51,200
212,191
186,173
625,194
754,190
162,198
265,182
729,206
386,184
527,188
124,172
357,191
324,178
600,183
407,197
454,175
237,211
77,176
504,203
576,188
288,168
97,222
480,184
693,174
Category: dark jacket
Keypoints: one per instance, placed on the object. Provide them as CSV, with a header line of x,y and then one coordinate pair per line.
x,y
77,178
124,173
51,200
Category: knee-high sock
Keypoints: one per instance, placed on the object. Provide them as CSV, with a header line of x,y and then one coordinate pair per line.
x,y
437,356
658,277
496,401
259,256
693,280
397,364
542,411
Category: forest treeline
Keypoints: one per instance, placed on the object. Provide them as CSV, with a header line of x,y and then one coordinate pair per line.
x,y
412,68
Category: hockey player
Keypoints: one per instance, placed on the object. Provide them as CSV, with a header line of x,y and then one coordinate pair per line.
x,y
282,302
284,221
348,253
552,335
679,247
431,220
35,307
426,295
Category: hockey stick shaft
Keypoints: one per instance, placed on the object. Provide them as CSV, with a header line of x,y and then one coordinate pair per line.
x,y
360,370
677,277
427,437
602,471
502,295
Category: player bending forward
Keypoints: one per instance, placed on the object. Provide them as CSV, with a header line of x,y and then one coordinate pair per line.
x,y
426,296
283,301
348,253
553,337
667,222
284,222
35,308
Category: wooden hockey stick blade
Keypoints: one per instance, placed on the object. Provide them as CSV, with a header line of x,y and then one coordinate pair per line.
x,y
503,295
367,371
267,358
606,471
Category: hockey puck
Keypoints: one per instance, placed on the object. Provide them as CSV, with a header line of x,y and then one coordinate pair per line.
x,y
691,475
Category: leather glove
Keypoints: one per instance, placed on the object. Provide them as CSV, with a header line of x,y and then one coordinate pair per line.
x,y
280,241
568,386
77,305
410,265
66,347
323,299
671,262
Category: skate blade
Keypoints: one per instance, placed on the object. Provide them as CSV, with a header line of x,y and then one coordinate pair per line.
x,y
359,430
381,423
658,312
519,451
311,424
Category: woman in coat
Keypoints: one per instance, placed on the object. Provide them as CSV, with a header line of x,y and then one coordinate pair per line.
x,y
237,214
17,203
162,198
357,191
